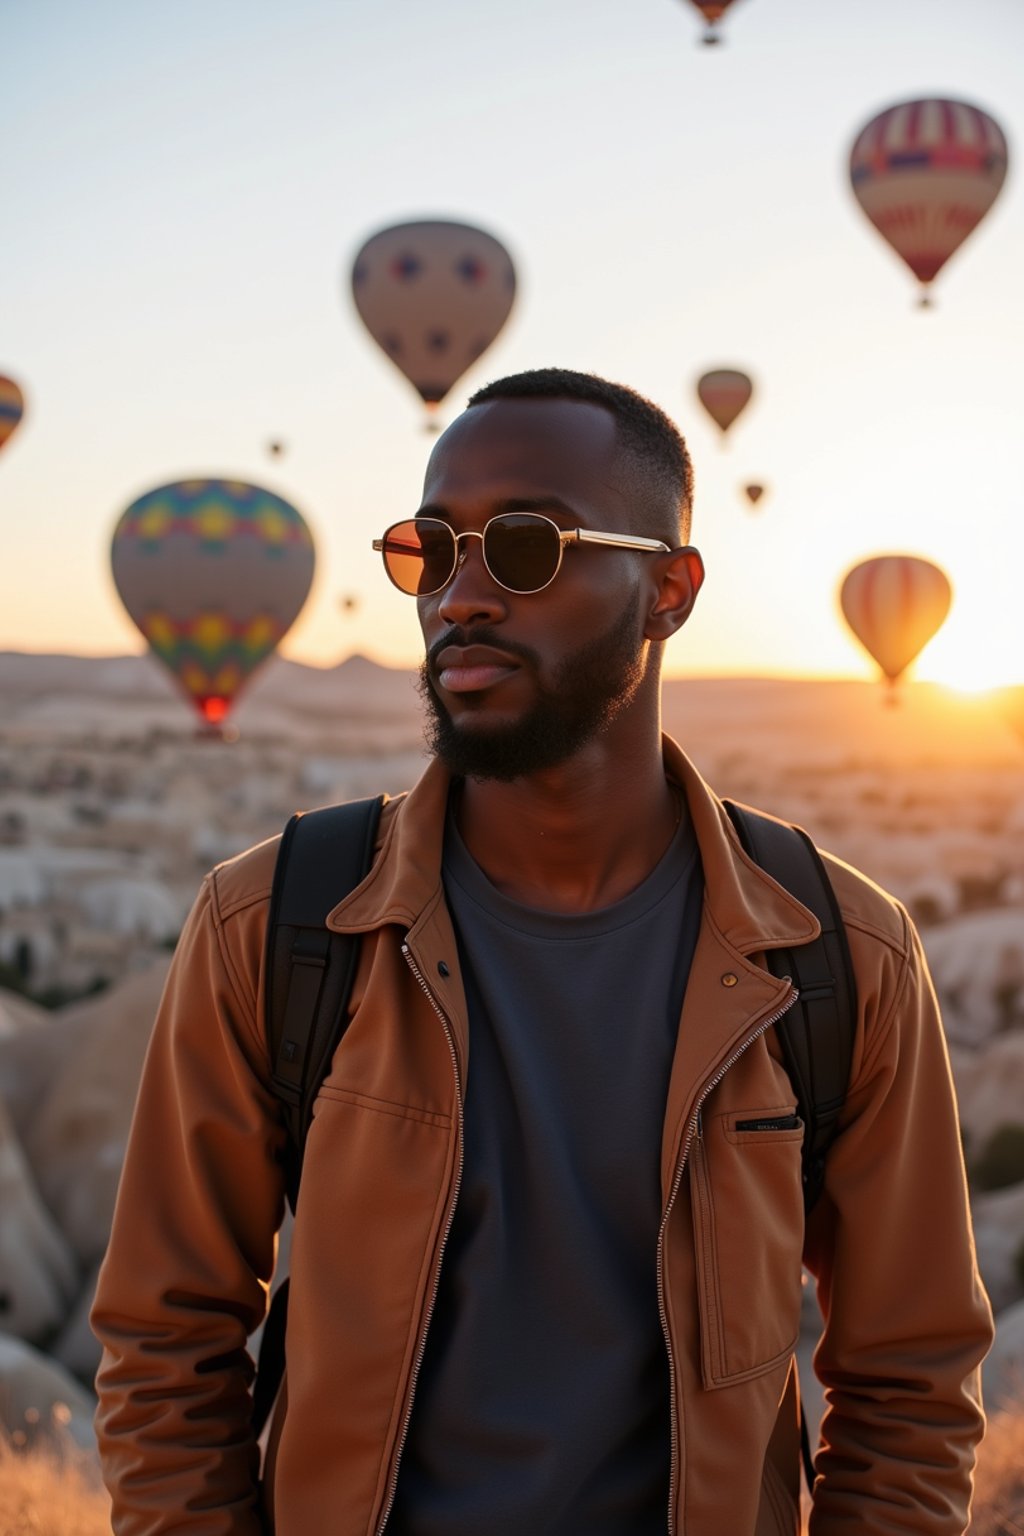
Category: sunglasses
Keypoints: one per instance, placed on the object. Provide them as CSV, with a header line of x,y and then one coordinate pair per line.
x,y
522,551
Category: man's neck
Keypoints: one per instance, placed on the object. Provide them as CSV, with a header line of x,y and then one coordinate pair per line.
x,y
575,838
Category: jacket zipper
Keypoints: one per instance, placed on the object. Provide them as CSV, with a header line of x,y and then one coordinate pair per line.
x,y
421,1347
693,1128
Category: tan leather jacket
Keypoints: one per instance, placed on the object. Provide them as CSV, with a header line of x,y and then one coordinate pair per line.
x,y
185,1279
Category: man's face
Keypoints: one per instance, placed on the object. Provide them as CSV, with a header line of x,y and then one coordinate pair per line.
x,y
516,683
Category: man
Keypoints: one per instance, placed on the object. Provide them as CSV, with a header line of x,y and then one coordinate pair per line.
x,y
546,1267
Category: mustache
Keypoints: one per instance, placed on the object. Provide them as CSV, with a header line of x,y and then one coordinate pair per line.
x,y
480,634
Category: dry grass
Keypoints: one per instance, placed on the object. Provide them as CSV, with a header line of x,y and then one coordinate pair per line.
x,y
50,1490
999,1484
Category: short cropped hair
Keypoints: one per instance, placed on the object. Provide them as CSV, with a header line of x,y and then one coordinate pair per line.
x,y
657,457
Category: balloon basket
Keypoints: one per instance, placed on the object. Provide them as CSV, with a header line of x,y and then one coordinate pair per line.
x,y
431,427
215,731
711,40
925,301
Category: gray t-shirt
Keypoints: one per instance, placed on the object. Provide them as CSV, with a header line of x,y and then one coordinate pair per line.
x,y
543,1399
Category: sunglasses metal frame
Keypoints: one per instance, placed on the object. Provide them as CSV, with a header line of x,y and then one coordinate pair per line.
x,y
565,536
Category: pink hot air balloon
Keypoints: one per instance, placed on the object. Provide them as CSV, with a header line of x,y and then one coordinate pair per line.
x,y
724,393
894,604
433,295
926,173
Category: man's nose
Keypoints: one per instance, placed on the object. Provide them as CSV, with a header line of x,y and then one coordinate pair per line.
x,y
472,596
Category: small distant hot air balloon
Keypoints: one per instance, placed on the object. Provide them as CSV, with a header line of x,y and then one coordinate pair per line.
x,y
12,408
348,602
214,573
753,493
724,393
1010,704
926,173
894,604
433,295
712,11
276,447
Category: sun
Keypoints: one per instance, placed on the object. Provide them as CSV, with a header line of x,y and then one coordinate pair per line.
x,y
970,660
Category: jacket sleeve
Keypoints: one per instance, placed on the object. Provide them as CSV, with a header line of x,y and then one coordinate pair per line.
x,y
192,1248
907,1322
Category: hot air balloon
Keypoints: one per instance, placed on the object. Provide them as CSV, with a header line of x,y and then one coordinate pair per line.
x,y
12,408
753,493
214,573
894,604
275,447
1010,704
724,392
712,11
433,295
926,173
348,602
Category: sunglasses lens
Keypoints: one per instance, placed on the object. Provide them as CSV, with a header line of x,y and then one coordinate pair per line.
x,y
419,555
522,551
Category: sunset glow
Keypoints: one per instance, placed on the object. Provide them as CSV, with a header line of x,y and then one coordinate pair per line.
x,y
220,337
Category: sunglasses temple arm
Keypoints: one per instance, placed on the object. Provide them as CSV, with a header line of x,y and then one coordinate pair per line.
x,y
614,540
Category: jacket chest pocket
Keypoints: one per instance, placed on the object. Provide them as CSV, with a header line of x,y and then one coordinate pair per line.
x,y
748,1217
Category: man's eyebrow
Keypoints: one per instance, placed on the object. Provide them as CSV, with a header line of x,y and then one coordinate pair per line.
x,y
547,504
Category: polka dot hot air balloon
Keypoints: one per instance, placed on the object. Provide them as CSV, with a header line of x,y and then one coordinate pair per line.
x,y
894,604
724,393
433,295
12,408
213,573
926,173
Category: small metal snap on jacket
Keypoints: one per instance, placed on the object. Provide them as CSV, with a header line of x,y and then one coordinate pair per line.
x,y
729,979
442,969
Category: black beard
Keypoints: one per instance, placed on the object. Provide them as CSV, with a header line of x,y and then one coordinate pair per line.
x,y
591,687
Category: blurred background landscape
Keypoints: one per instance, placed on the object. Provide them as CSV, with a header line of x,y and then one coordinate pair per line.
x,y
193,204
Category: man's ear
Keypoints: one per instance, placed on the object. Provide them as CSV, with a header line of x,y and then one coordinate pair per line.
x,y
680,578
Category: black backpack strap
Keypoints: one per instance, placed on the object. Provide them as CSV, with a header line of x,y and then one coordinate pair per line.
x,y
308,978
817,1033
309,972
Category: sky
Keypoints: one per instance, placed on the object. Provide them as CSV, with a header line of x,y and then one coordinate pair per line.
x,y
186,187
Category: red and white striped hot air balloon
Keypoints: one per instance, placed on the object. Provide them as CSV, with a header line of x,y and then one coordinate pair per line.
x,y
894,604
926,173
724,393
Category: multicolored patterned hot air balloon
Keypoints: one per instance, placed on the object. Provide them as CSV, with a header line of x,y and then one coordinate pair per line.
x,y
894,604
926,173
433,295
12,408
712,11
214,573
724,393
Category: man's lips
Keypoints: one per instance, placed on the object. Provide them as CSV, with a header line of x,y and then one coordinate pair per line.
x,y
473,668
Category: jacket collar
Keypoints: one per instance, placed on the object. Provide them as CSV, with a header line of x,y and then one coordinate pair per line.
x,y
750,910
